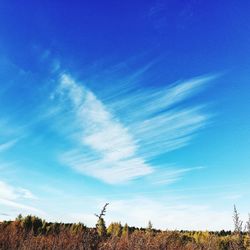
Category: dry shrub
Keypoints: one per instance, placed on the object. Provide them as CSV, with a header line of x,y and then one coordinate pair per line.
x,y
40,235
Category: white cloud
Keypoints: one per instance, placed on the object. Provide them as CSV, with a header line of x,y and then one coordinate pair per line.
x,y
157,118
114,156
116,140
18,205
15,196
169,131
25,193
170,174
12,193
108,170
155,100
6,191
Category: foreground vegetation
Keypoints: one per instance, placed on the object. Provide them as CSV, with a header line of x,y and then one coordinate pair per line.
x,y
31,232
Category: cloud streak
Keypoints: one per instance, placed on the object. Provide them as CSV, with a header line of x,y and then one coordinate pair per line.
x,y
11,196
169,175
7,145
9,135
112,155
12,193
115,141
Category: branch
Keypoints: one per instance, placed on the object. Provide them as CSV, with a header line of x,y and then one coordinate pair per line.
x,y
102,212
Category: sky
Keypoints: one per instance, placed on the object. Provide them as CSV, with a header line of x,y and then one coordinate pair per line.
x,y
141,104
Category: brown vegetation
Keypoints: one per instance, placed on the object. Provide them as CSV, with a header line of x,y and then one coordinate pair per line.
x,y
31,232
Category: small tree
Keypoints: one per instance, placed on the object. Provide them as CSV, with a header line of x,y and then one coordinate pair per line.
x,y
247,228
237,222
115,229
150,227
27,223
248,225
100,225
125,230
19,217
37,224
238,229
77,228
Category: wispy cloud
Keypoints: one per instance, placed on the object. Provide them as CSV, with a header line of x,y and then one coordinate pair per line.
x,y
112,156
12,193
159,121
4,214
7,145
11,196
109,170
18,205
115,140
169,174
9,135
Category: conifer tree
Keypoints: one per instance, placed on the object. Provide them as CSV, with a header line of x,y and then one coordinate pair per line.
x,y
125,230
115,229
150,227
238,229
237,221
100,225
248,225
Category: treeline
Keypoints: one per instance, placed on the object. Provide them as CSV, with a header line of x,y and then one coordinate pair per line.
x,y
31,232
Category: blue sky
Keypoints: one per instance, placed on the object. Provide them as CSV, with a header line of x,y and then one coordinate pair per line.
x,y
144,105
